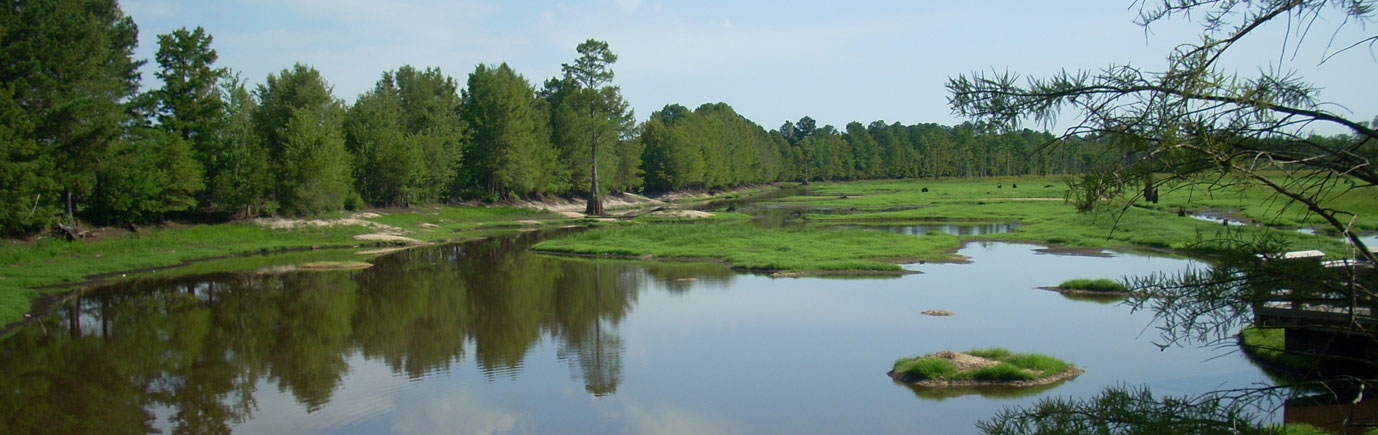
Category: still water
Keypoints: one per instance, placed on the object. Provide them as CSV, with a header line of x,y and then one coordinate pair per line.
x,y
484,337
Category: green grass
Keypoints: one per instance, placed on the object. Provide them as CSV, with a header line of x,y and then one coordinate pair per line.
x,y
1045,219
1095,285
750,247
998,372
1010,367
1267,344
992,353
925,368
1037,362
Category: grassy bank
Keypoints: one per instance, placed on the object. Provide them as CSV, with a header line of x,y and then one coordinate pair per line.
x,y
48,261
745,246
1267,344
1036,204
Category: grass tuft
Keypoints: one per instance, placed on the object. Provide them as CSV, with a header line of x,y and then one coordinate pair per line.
x,y
996,353
999,372
1038,362
1095,285
925,368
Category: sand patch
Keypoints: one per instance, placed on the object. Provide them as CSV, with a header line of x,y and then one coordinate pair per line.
x,y
388,238
317,266
689,214
284,224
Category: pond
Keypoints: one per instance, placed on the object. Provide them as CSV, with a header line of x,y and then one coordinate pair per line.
x,y
484,337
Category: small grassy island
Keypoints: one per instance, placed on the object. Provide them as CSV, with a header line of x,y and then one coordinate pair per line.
x,y
1093,287
982,367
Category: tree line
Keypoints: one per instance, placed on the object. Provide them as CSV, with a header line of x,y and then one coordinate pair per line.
x,y
80,140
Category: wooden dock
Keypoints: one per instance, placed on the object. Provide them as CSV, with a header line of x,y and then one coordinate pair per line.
x,y
1328,322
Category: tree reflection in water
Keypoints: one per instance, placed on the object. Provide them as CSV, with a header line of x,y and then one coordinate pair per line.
x,y
200,345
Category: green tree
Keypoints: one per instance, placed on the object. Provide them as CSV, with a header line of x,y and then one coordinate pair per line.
x,y
26,173
511,153
238,177
190,103
1214,130
67,68
388,160
431,108
592,116
671,160
300,124
144,177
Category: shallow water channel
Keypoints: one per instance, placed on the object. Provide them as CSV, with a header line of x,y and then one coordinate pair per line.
x,y
484,337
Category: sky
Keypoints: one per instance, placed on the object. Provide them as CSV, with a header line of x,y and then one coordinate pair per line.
x,y
772,61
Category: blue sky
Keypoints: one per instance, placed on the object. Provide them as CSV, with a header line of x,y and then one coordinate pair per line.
x,y
771,60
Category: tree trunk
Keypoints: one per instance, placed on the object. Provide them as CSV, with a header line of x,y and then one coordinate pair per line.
x,y
68,193
595,203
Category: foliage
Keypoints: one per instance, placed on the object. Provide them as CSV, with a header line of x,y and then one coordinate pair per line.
x,y
1099,285
511,153
237,177
145,177
66,72
710,147
592,123
408,138
300,125
189,103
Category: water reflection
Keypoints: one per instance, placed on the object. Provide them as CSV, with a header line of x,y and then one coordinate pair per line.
x,y
201,346
988,392
484,337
